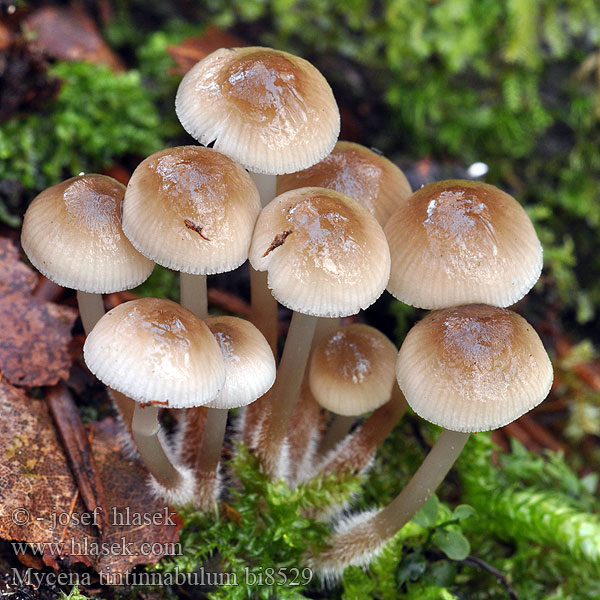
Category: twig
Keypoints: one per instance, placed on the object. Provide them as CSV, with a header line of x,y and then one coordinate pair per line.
x,y
477,562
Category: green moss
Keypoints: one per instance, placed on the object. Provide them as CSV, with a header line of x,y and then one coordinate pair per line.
x,y
97,117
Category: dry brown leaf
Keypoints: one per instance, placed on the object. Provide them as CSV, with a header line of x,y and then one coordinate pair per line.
x,y
15,276
37,491
34,340
35,335
36,484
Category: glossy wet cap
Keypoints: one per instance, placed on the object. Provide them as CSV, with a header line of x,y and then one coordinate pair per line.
x,y
249,362
156,351
473,368
352,370
457,242
72,234
351,169
271,111
191,209
325,254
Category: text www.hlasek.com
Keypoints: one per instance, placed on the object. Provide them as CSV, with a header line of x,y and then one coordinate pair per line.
x,y
121,547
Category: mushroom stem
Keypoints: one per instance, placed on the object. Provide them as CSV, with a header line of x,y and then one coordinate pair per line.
x,y
303,434
190,434
125,407
283,394
207,459
91,309
264,306
146,434
355,452
357,540
336,432
193,293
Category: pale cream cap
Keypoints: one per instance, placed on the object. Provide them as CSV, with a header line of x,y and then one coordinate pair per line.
x,y
325,254
367,177
352,370
191,209
72,234
473,368
155,351
271,111
249,362
457,242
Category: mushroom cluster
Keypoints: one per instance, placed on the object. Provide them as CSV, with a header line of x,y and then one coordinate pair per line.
x,y
326,227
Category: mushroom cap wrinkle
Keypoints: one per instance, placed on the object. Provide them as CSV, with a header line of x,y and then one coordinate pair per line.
x,y
249,362
191,209
325,254
473,368
352,370
155,351
369,178
459,242
72,234
271,111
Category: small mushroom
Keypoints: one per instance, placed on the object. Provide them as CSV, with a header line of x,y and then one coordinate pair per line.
x,y
250,372
351,372
158,354
469,368
334,262
72,234
458,242
193,210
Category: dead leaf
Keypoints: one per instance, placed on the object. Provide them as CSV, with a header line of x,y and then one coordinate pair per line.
x,y
192,50
15,276
34,340
68,33
37,490
36,485
35,335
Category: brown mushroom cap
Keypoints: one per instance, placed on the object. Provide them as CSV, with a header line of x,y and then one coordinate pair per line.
x,y
156,351
473,368
352,370
325,254
458,242
268,110
249,363
191,209
367,177
72,234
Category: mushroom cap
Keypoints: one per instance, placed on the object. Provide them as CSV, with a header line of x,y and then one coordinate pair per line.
x,y
325,254
249,362
473,368
72,234
369,178
458,242
352,370
271,111
191,209
155,351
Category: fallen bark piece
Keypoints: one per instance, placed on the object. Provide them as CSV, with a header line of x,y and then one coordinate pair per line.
x,y
78,451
